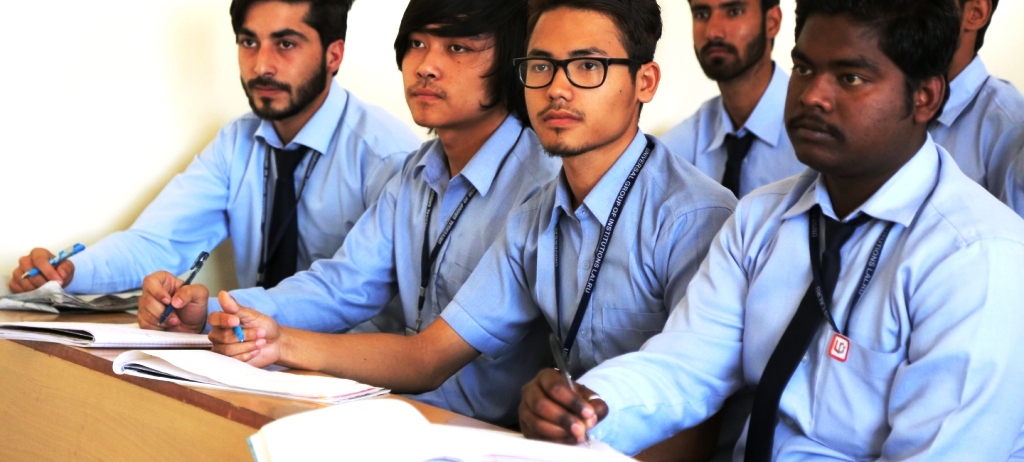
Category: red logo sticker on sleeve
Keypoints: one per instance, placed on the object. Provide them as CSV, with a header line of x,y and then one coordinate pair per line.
x,y
839,348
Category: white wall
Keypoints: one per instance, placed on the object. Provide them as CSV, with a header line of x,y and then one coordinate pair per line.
x,y
105,100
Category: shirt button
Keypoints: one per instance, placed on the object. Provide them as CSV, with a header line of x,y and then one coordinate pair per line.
x,y
586,264
806,358
788,421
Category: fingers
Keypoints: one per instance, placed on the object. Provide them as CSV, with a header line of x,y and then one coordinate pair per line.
x,y
157,290
26,264
595,401
551,411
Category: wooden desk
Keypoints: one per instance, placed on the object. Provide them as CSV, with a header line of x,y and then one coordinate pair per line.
x,y
65,403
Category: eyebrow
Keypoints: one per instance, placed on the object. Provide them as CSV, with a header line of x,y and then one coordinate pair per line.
x,y
283,33
859,62
583,52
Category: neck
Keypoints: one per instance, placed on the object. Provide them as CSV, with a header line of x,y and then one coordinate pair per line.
x,y
848,193
584,171
963,57
463,142
288,128
741,94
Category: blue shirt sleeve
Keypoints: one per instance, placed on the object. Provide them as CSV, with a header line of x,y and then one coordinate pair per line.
x,y
338,293
494,308
187,217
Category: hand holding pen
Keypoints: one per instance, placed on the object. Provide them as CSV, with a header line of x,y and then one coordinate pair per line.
x,y
554,408
168,303
40,266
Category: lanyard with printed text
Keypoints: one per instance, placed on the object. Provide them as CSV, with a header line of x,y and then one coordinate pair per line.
x,y
814,226
599,255
429,256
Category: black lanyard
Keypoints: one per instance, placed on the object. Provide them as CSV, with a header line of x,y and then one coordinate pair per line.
x,y
429,256
814,224
265,248
599,254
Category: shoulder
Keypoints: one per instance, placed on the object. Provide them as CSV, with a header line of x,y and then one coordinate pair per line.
x,y
374,128
999,98
966,212
682,138
534,165
679,187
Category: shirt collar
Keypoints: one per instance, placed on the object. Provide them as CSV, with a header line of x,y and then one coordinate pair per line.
x,y
963,89
898,200
483,168
602,198
765,122
312,135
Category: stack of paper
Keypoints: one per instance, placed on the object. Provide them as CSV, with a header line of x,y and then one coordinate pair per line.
x,y
52,298
206,369
368,430
96,335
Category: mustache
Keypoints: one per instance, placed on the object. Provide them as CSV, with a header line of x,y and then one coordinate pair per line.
x,y
561,107
262,81
815,123
424,84
718,45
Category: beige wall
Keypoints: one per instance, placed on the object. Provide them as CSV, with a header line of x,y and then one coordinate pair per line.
x,y
105,100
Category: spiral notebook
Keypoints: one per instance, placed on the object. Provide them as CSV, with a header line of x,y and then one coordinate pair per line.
x,y
97,335
206,369
367,430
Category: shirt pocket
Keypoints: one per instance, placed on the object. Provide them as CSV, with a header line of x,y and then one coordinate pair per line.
x,y
624,330
851,400
452,273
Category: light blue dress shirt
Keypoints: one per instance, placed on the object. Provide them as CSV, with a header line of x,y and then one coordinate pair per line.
x,y
934,368
382,255
700,140
982,126
220,195
663,232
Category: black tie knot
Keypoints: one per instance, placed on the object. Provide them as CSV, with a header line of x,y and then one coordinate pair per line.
x,y
287,162
736,148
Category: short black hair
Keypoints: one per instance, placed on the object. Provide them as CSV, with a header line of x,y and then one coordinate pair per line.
x,y
639,23
765,5
919,36
504,20
329,18
981,32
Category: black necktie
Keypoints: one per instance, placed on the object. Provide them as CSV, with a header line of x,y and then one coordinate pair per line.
x,y
283,246
737,149
764,416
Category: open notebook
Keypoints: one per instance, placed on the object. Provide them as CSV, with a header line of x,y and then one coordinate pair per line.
x,y
369,430
205,369
51,298
98,335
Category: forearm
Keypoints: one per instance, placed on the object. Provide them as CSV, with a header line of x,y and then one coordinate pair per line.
x,y
405,364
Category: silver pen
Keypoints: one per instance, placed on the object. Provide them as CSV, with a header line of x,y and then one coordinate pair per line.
x,y
563,367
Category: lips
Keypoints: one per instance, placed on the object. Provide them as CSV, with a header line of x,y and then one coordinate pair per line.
x,y
560,118
813,128
424,91
713,49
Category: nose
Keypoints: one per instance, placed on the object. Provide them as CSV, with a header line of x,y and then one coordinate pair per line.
x,y
561,87
816,91
715,29
266,61
429,67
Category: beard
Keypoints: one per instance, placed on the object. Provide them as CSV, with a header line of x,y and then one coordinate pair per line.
x,y
563,150
298,100
724,70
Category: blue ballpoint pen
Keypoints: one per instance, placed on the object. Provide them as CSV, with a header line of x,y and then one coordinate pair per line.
x,y
563,367
198,265
63,255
